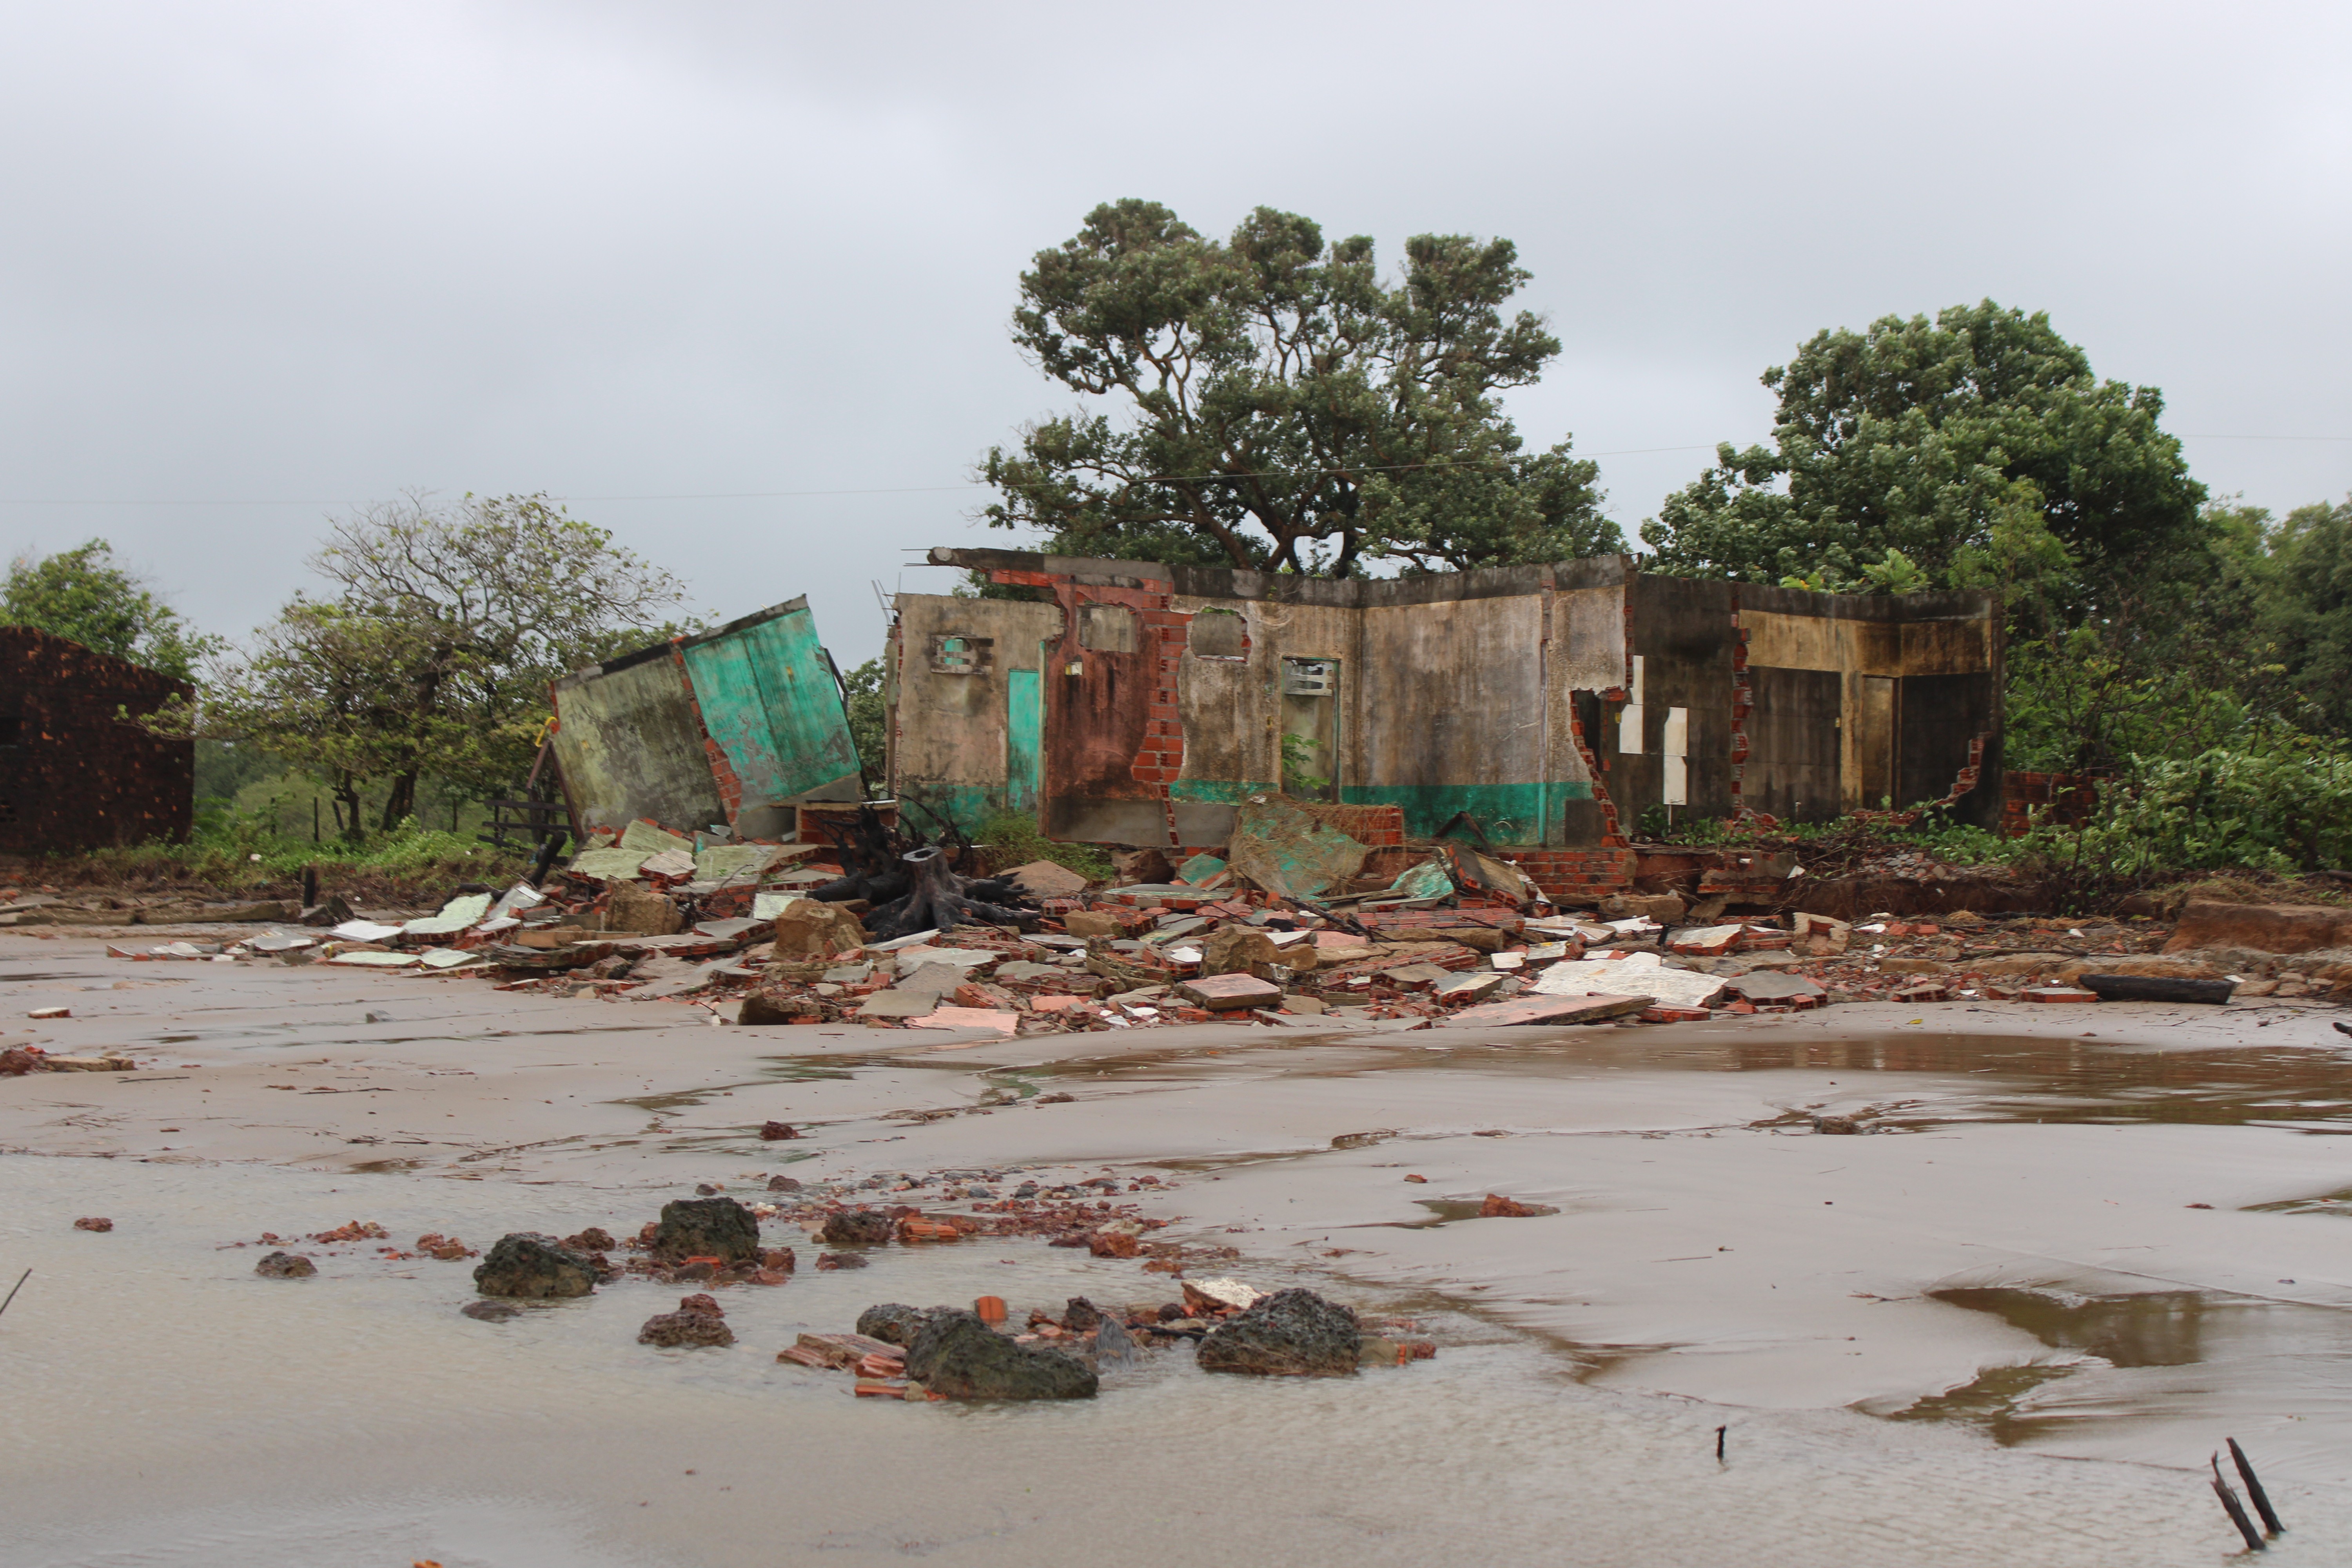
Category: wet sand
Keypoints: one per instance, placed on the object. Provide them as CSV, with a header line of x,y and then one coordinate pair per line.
x,y
1908,1332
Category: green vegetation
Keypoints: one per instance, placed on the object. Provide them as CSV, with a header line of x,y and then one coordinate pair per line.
x,y
82,594
434,656
234,850
869,719
1013,836
1269,401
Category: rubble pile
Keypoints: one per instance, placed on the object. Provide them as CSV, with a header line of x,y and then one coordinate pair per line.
x,y
881,929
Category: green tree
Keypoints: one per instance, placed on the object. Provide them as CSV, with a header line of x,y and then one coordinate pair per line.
x,y
1268,400
435,654
869,718
2302,611
81,593
1923,438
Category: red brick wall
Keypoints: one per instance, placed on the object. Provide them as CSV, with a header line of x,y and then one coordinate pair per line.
x,y
1577,876
2073,796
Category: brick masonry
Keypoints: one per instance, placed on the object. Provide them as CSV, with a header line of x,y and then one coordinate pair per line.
x,y
1576,875
2066,799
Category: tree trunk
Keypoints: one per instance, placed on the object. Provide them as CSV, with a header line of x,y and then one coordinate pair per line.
x,y
399,801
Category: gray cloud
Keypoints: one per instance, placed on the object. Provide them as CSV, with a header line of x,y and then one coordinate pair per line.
x,y
294,257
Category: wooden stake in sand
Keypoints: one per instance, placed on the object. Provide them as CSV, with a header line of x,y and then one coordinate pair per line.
x,y
2237,1511
2254,1489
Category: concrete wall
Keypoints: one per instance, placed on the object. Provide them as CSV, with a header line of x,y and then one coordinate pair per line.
x,y
952,740
73,776
770,708
629,743
1553,703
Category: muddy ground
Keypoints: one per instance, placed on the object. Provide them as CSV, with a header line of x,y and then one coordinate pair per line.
x,y
2112,1233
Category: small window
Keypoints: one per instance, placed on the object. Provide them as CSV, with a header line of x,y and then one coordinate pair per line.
x,y
1106,628
1218,634
953,654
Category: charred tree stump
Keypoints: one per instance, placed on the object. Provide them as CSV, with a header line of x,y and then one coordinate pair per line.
x,y
941,901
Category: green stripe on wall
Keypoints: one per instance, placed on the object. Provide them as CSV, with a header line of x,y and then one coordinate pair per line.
x,y
1511,814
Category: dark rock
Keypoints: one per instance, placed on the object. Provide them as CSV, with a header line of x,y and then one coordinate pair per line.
x,y
1291,1333
1170,1312
775,1133
673,1330
856,1227
595,1239
1837,1124
286,1265
707,1305
892,1323
707,1227
490,1311
1081,1316
704,1190
93,1222
781,1259
956,1355
841,1260
533,1265
784,1185
1114,1346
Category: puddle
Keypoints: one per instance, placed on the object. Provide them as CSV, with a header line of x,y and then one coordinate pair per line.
x,y
2336,1203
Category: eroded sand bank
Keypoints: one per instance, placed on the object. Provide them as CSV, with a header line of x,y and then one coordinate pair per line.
x,y
1905,1331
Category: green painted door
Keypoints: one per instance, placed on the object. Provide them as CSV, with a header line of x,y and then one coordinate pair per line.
x,y
1025,725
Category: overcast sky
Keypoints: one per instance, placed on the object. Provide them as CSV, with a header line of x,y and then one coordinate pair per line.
x,y
259,263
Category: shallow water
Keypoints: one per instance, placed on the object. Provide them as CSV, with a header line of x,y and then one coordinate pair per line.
x,y
169,1407
2016,1267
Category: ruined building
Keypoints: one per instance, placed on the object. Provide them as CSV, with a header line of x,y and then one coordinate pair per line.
x,y
1137,703
736,727
75,774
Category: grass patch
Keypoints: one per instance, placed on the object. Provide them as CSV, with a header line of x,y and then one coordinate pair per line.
x,y
1013,836
236,853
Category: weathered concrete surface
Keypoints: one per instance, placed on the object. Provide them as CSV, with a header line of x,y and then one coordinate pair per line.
x,y
629,745
955,708
1467,692
770,704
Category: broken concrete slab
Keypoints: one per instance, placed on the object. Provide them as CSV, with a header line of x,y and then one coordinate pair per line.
x,y
1416,976
900,1004
1472,987
1225,993
1046,879
1642,970
641,912
1286,850
1535,1009
1769,986
968,1019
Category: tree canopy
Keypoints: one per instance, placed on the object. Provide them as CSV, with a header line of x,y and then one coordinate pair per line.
x,y
1269,401
434,653
1944,453
82,594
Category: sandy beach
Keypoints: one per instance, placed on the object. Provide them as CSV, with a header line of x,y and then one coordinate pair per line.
x,y
2103,1234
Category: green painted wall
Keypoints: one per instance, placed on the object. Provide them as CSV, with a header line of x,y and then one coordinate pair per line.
x,y
1025,725
769,700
